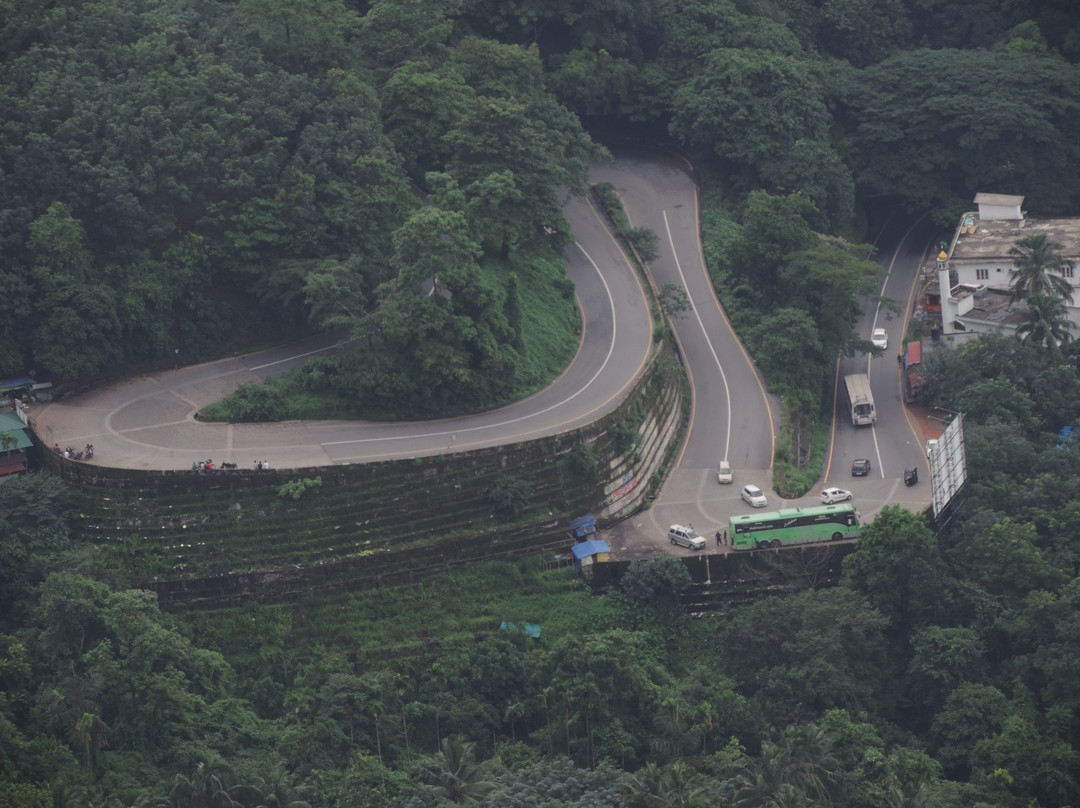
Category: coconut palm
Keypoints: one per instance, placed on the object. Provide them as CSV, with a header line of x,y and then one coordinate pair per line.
x,y
1037,259
1046,322
454,769
207,787
810,762
276,791
674,786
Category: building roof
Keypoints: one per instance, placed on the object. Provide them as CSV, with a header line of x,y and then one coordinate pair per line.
x,y
987,239
998,199
9,422
583,525
589,548
991,306
16,383
914,353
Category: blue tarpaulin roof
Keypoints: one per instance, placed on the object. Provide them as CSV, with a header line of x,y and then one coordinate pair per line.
x,y
590,548
16,383
583,525
1066,436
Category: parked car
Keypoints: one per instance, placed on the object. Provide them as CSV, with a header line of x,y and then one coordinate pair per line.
x,y
860,467
831,495
931,445
880,338
723,473
686,537
754,496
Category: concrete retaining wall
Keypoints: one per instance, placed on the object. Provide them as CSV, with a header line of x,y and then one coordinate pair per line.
x,y
216,538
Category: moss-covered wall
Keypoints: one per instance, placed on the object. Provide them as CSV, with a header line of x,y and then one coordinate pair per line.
x,y
218,537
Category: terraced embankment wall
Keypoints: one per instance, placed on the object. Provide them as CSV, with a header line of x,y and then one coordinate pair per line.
x,y
723,579
222,537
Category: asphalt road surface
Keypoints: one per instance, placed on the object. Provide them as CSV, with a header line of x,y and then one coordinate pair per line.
x,y
733,415
149,422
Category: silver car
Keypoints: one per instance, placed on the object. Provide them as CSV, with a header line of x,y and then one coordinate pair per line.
x,y
685,536
831,495
754,496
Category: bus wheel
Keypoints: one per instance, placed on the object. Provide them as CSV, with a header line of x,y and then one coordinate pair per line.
x,y
837,536
776,543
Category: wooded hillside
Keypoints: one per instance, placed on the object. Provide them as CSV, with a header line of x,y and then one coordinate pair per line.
x,y
202,176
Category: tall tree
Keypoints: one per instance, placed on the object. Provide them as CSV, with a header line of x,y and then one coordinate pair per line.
x,y
1012,130
750,105
1046,322
1038,263
897,565
456,772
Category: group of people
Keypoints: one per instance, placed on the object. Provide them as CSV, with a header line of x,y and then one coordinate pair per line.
x,y
208,465
70,454
721,538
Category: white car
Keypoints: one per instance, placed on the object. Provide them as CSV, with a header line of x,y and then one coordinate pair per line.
x,y
931,445
831,495
753,496
880,338
723,473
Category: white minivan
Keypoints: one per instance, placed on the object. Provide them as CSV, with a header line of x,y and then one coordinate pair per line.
x,y
685,536
723,473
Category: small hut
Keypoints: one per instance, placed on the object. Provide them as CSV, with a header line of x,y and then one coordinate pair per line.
x,y
588,553
14,441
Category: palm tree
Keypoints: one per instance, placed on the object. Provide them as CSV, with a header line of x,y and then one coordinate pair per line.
x,y
1046,322
208,786
89,735
277,792
811,764
1036,258
674,786
912,795
454,769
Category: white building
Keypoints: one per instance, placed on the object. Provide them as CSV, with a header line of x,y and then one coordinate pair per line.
x,y
977,269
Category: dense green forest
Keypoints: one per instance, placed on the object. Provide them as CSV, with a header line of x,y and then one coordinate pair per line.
x,y
942,671
180,178
198,176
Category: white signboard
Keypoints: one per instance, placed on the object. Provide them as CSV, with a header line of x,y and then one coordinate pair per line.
x,y
948,466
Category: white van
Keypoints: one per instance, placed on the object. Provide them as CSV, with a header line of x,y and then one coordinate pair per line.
x,y
723,473
686,536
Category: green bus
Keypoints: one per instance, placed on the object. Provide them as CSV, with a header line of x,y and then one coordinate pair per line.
x,y
794,526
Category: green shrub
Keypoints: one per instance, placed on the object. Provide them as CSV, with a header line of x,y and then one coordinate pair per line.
x,y
581,462
509,496
294,489
645,241
623,437
252,402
